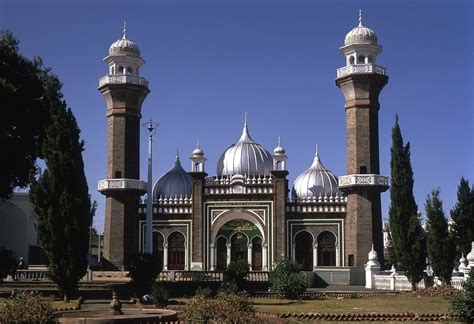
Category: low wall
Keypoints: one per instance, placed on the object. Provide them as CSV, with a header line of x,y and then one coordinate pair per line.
x,y
338,276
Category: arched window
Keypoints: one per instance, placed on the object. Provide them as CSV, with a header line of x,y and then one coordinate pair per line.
x,y
176,251
361,59
120,70
129,70
351,60
326,249
304,250
239,246
221,253
158,249
256,253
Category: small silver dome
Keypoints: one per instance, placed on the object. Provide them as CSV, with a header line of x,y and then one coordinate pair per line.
x,y
198,151
360,34
124,45
245,157
315,182
279,150
176,182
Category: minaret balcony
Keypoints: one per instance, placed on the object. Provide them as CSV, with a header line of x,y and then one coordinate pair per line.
x,y
122,79
363,180
361,69
107,185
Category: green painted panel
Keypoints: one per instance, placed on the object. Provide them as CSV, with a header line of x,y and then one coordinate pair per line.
x,y
239,225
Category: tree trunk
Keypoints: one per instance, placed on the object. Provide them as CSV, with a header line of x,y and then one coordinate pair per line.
x,y
413,286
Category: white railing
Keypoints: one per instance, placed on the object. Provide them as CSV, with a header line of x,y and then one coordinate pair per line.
x,y
362,180
31,275
121,184
121,79
361,69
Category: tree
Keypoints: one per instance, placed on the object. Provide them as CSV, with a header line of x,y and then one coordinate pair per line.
x,y
463,217
8,263
60,194
439,246
287,279
23,114
143,269
462,304
408,237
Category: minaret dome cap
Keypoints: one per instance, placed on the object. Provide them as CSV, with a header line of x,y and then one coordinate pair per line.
x,y
360,34
124,45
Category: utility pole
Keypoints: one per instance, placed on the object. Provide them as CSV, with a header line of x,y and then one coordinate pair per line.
x,y
150,127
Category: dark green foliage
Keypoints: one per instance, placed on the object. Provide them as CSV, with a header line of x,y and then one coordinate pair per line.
x,y
143,270
23,114
287,280
463,217
203,291
160,295
8,263
462,305
237,271
408,238
60,195
439,246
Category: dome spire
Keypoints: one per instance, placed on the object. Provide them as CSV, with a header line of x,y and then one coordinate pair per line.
x,y
360,17
245,119
124,30
177,154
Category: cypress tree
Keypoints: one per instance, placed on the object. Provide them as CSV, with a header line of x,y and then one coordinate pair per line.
x,y
463,217
409,241
439,246
60,194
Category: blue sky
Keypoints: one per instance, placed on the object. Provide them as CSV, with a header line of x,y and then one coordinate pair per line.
x,y
209,62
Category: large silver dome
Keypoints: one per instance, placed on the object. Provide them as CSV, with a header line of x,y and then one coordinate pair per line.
x,y
245,157
315,182
176,182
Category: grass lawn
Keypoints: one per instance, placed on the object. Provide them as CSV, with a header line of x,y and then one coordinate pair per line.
x,y
382,304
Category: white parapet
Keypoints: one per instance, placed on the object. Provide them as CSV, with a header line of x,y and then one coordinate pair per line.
x,y
355,180
122,79
361,69
121,184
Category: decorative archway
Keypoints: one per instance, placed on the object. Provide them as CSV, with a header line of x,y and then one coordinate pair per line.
x,y
256,253
304,250
239,247
176,251
327,249
221,253
158,245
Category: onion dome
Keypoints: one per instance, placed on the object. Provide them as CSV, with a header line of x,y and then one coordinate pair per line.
x,y
198,151
373,257
124,45
279,150
176,182
245,157
360,34
470,255
316,182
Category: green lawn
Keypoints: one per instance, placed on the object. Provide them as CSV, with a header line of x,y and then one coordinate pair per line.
x,y
383,304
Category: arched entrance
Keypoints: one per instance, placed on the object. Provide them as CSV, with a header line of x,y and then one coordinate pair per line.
x,y
304,250
327,249
238,247
176,251
158,244
221,253
256,253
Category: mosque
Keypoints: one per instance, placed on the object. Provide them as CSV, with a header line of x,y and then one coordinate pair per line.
x,y
246,209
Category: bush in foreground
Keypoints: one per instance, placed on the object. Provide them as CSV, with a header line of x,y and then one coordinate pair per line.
x,y
143,271
237,271
8,263
28,307
226,307
462,304
287,281
160,295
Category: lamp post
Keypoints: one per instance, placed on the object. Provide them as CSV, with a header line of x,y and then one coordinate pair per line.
x,y
150,127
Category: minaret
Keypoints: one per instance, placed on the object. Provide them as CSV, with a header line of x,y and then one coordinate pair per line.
x,y
279,157
124,92
361,82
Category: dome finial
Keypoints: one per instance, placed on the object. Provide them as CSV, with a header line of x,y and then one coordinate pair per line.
x,y
317,150
245,119
360,17
197,144
279,141
177,154
124,30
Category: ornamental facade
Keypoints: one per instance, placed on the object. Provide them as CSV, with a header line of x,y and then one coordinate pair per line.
x,y
246,209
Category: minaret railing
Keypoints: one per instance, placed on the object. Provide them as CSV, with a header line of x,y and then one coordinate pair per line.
x,y
122,79
361,69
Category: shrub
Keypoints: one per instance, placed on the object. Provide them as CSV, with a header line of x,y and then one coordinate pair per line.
x,y
237,271
203,291
8,263
462,304
287,280
226,307
28,307
160,295
143,269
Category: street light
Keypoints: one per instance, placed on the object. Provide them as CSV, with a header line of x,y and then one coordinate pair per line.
x,y
150,128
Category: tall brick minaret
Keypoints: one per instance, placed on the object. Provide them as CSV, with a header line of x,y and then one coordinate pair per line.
x,y
124,92
361,82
